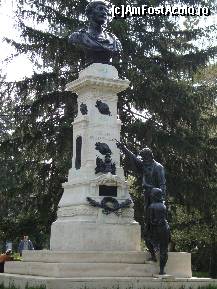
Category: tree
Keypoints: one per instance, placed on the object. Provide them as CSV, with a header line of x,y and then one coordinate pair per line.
x,y
159,58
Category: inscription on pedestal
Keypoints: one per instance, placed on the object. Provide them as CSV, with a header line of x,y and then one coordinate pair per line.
x,y
108,191
101,135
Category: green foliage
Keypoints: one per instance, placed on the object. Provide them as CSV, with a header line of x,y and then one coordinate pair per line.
x,y
200,274
16,257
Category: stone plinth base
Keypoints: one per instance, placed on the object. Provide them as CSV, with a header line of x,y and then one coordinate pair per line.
x,y
21,281
70,235
97,264
66,270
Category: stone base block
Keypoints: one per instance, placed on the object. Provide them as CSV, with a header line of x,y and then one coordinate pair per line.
x,y
179,264
66,270
70,235
49,256
106,282
97,264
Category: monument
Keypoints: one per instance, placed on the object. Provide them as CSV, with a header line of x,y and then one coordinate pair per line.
x,y
96,186
95,234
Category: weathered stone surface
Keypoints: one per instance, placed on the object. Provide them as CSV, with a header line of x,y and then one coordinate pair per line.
x,y
105,282
100,70
85,235
97,264
85,257
179,264
66,270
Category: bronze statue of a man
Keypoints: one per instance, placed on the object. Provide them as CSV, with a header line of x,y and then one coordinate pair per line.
x,y
157,232
152,172
98,45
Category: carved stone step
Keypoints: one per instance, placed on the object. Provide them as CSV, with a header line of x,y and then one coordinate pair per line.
x,y
48,256
65,270
97,264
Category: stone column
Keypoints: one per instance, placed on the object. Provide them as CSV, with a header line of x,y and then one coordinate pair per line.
x,y
81,226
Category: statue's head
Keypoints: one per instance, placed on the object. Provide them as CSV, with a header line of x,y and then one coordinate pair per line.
x,y
156,195
97,11
146,155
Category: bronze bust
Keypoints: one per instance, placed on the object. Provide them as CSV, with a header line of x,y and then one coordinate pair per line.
x,y
98,45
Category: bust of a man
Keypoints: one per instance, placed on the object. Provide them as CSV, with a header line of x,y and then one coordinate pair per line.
x,y
98,45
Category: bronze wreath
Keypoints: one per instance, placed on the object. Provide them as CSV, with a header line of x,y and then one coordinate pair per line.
x,y
106,209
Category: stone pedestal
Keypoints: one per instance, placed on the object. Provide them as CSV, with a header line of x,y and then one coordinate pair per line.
x,y
86,243
61,264
80,226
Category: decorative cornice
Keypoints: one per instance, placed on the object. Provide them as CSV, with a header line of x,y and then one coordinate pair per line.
x,y
100,180
115,85
80,210
108,178
87,210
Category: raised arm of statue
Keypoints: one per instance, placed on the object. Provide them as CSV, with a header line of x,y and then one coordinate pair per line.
x,y
135,162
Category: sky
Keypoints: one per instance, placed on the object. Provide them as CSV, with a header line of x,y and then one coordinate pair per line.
x,y
21,66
